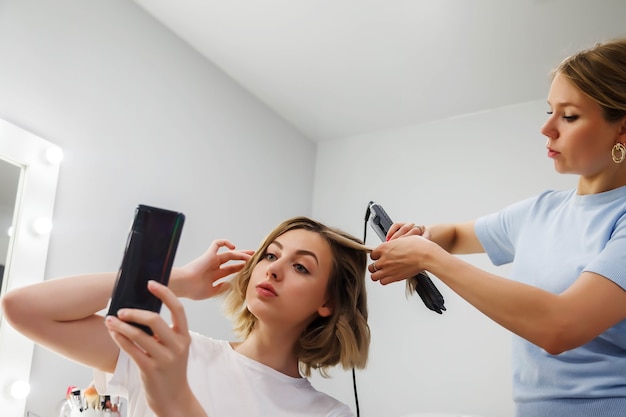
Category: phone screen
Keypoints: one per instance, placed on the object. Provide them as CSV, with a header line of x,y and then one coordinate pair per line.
x,y
149,255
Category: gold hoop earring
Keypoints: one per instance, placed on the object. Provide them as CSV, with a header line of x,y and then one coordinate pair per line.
x,y
621,149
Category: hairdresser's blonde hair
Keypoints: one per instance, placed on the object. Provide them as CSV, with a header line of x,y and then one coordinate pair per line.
x,y
600,73
341,338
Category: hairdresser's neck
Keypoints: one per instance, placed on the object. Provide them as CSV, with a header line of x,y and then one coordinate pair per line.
x,y
601,183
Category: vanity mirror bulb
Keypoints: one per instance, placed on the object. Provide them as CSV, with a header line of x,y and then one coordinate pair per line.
x,y
10,231
42,226
19,389
54,155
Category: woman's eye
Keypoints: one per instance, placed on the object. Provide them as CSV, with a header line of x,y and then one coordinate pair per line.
x,y
301,268
270,256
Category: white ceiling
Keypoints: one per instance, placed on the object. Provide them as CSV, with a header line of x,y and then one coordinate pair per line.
x,y
338,68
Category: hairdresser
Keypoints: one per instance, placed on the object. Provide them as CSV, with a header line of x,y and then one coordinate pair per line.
x,y
564,300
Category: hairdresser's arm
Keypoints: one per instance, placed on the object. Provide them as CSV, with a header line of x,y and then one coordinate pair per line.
x,y
458,238
60,314
555,322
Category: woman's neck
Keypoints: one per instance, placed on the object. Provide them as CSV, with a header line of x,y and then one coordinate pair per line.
x,y
274,349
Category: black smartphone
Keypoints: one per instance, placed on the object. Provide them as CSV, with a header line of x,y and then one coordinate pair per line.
x,y
428,292
149,255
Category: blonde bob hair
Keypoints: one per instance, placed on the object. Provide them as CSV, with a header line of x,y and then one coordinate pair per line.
x,y
341,338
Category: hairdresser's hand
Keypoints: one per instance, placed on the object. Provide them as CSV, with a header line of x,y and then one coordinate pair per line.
x,y
196,280
399,259
407,229
161,358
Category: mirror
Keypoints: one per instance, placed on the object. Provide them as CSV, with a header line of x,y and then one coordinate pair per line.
x,y
30,167
9,180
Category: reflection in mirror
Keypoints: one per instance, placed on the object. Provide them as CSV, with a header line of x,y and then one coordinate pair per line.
x,y
9,180
33,163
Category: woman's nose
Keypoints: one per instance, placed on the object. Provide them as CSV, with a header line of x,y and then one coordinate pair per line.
x,y
273,270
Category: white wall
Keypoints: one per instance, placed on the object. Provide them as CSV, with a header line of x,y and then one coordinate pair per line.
x,y
142,118
452,170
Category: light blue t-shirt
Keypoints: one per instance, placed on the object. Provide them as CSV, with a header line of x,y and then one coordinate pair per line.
x,y
551,239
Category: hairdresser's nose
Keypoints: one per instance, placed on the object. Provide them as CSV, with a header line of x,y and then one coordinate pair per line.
x,y
549,129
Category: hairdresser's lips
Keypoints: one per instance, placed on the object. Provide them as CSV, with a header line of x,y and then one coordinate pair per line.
x,y
265,289
552,153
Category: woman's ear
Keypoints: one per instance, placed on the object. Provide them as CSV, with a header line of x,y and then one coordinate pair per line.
x,y
325,309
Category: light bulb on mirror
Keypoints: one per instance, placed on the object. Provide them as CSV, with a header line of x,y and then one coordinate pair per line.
x,y
54,155
10,231
20,389
42,226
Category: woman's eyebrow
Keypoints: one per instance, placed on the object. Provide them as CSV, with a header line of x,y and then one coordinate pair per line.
x,y
308,253
301,252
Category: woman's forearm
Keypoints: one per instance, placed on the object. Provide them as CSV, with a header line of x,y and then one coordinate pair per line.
x,y
61,314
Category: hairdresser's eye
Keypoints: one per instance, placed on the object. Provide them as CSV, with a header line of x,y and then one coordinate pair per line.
x,y
550,113
570,118
300,268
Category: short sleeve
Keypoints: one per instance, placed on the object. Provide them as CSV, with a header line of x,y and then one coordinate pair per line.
x,y
498,232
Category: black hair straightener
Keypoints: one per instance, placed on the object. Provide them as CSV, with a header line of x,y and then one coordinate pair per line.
x,y
380,221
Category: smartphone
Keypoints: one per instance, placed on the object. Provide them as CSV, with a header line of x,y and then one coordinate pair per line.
x,y
149,255
381,222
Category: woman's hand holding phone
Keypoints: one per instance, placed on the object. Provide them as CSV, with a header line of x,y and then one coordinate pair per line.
x,y
161,357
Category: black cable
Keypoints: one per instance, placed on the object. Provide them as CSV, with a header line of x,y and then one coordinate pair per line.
x,y
356,395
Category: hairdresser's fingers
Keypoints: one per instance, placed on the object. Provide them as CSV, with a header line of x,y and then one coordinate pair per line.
x,y
393,229
389,280
376,252
399,229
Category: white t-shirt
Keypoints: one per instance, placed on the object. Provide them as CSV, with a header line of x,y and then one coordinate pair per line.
x,y
227,384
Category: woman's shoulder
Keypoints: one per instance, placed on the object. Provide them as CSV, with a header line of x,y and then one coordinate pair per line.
x,y
204,343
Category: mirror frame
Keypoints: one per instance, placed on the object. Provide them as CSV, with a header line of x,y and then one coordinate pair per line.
x,y
26,259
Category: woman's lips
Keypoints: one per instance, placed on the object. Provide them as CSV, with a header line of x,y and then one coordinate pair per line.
x,y
266,290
